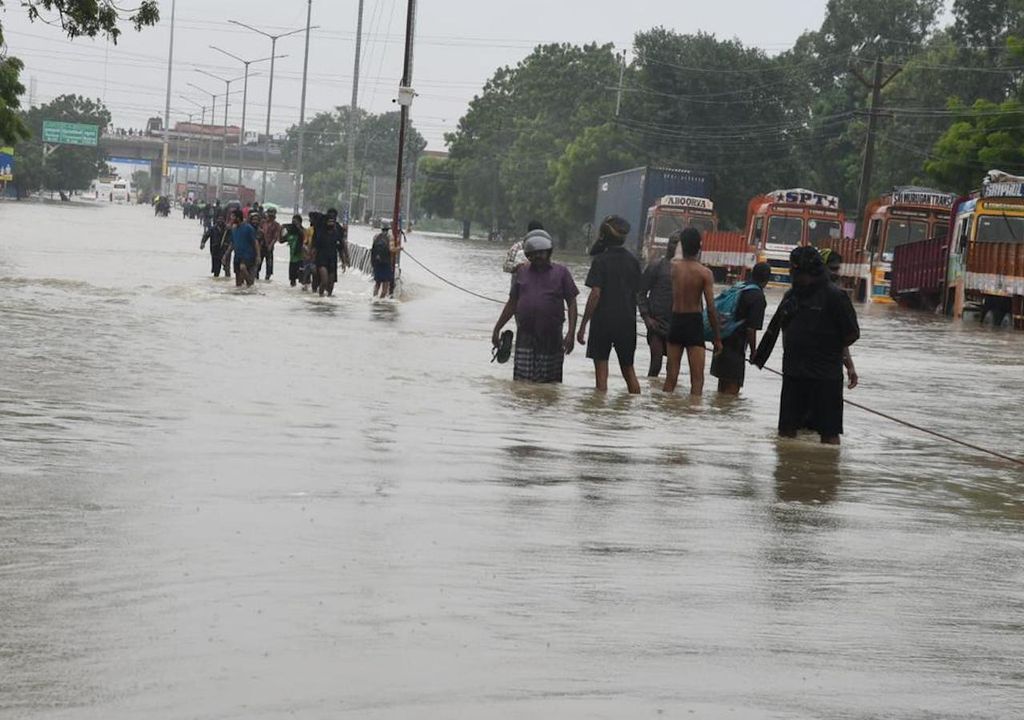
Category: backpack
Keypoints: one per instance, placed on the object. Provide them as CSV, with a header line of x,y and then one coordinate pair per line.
x,y
725,305
380,251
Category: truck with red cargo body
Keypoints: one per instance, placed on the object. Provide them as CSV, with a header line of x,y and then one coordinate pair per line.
x,y
979,265
903,216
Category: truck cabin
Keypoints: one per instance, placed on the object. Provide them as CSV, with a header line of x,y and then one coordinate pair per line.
x,y
673,213
903,216
986,258
906,215
785,219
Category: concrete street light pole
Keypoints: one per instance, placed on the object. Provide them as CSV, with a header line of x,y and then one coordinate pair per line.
x,y
203,124
164,178
270,93
302,112
245,102
224,139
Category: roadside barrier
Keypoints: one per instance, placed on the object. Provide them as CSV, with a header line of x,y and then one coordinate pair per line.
x,y
851,403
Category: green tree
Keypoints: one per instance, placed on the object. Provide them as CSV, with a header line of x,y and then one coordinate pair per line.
x,y
67,167
524,119
853,32
325,152
988,136
435,187
701,103
87,18
595,152
142,182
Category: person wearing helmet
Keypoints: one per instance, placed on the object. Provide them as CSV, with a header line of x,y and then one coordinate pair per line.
x,y
382,261
818,323
541,295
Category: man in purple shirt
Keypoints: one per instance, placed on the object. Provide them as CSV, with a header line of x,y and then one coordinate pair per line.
x,y
540,295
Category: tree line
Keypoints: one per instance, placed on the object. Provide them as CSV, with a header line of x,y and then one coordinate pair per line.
x,y
534,141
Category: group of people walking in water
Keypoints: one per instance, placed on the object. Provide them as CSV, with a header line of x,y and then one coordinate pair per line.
x,y
242,240
675,299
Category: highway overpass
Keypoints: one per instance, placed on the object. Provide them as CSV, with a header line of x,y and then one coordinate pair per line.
x,y
191,150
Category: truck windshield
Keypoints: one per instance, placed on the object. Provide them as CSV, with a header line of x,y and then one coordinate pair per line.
x,y
704,224
667,223
901,232
785,230
1000,229
822,230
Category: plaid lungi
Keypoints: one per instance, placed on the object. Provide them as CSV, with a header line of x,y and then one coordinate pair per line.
x,y
532,365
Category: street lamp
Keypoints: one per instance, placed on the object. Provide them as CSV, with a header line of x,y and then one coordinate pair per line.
x,y
165,179
209,144
224,139
270,94
245,101
203,121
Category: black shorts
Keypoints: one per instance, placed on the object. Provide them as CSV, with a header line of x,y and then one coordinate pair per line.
x,y
602,340
730,365
687,329
813,404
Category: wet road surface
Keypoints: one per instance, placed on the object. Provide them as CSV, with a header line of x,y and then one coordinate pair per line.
x,y
258,505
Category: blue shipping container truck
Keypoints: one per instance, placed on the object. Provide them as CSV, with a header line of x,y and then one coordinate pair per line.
x,y
630,193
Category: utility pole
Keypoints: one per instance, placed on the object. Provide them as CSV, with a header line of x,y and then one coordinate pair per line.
x,y
164,178
302,111
875,85
405,98
622,77
351,162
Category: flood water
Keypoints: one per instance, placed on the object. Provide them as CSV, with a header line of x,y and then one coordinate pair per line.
x,y
217,504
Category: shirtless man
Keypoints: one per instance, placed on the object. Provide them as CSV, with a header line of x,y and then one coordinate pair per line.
x,y
693,288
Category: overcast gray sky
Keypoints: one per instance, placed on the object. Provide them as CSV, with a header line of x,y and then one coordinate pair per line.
x,y
459,45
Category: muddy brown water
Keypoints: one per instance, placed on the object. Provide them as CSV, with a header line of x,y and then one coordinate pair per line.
x,y
257,505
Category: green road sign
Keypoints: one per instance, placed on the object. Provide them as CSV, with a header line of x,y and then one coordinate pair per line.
x,y
62,133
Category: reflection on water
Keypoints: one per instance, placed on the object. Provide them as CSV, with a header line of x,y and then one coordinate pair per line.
x,y
262,503
807,474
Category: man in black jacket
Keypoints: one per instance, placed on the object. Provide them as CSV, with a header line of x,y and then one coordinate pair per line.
x,y
818,323
330,241
215,236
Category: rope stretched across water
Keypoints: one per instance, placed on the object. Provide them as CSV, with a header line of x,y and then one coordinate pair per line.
x,y
449,282
851,403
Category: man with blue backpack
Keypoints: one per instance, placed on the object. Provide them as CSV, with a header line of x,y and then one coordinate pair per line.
x,y
741,314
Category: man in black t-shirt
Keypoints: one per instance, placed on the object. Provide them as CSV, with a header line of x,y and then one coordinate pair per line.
x,y
730,365
818,323
614,280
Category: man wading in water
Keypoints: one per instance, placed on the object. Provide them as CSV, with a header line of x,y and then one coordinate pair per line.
x,y
539,291
614,281
215,236
383,262
294,235
246,247
818,322
730,365
655,304
331,245
270,230
693,288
